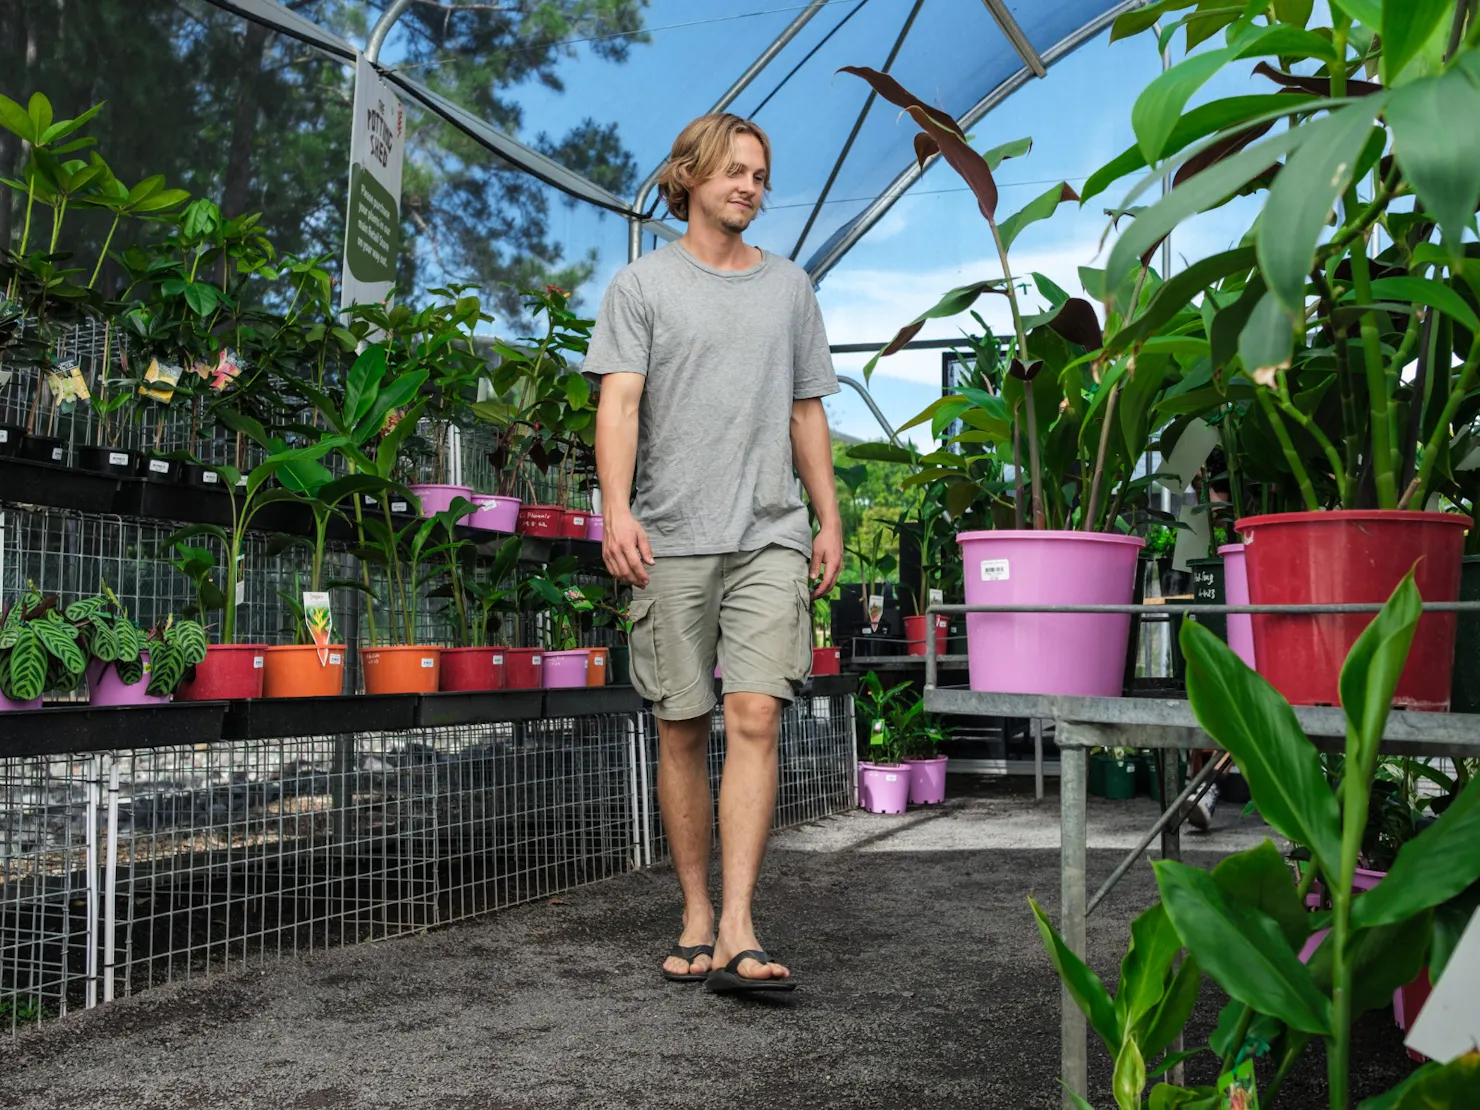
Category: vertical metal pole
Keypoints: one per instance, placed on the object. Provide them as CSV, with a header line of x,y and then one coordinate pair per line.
x,y
1171,848
110,884
1038,758
1073,850
94,791
1166,178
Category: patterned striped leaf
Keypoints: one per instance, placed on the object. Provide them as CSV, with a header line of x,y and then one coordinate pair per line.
x,y
60,639
190,638
102,641
130,640
166,668
27,666
129,670
80,611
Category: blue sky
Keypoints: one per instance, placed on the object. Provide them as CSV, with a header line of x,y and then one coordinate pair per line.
x,y
933,239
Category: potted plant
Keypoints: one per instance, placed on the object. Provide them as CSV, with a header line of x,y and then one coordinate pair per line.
x,y
617,617
127,665
927,767
1329,322
39,651
409,557
477,588
539,405
564,663
826,659
883,781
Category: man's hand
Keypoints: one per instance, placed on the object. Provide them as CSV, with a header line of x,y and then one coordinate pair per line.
x,y
827,557
625,550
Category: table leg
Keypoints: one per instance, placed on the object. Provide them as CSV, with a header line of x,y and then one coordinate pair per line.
x,y
1073,849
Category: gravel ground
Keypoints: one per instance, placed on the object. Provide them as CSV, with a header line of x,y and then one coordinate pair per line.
x,y
924,983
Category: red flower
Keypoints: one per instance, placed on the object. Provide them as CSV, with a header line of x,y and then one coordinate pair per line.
x,y
555,289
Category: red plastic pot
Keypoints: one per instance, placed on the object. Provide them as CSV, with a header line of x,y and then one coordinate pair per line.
x,y
914,634
472,669
1343,557
229,672
827,660
541,520
522,668
573,523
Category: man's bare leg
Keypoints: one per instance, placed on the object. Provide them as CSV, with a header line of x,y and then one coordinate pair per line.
x,y
687,807
747,803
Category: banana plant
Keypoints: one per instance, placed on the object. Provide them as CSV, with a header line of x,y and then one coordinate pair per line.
x,y
1244,922
38,648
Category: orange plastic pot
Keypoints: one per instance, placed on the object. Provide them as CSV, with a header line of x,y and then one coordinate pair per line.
x,y
598,666
295,671
401,670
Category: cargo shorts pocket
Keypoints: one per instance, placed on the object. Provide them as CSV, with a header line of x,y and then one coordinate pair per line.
x,y
802,655
643,662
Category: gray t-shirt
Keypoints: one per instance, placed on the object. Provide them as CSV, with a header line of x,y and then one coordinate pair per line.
x,y
725,354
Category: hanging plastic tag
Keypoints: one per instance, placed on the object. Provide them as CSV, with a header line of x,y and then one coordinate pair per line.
x,y
578,600
875,611
241,579
319,622
160,380
1237,1088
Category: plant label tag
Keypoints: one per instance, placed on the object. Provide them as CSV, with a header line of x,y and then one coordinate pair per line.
x,y
578,600
210,477
875,610
115,458
241,579
4,434
995,570
498,660
891,778
160,380
256,662
5,376
1237,1089
67,384
400,507
598,660
1448,1026
877,737
427,662
335,659
536,660
318,621
578,521
369,500
56,454
937,597
159,466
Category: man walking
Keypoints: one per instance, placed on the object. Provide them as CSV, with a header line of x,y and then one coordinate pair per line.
x,y
714,364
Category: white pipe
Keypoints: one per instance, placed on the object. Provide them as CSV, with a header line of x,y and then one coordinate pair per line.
x,y
94,783
110,882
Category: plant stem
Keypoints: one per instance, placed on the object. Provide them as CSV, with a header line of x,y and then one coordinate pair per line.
x,y
1431,450
1035,475
103,254
1307,492
1090,521
1230,437
1293,411
1241,1031
1349,428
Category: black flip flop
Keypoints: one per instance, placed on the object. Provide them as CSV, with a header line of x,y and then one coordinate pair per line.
x,y
688,952
728,980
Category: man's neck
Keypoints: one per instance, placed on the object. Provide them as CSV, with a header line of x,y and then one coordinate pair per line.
x,y
719,248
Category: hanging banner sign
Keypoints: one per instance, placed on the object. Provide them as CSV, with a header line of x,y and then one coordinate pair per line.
x,y
372,225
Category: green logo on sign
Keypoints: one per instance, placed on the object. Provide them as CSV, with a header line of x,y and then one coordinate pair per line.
x,y
374,231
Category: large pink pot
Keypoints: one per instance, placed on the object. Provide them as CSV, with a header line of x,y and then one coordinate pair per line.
x,y
596,527
439,498
927,780
494,513
883,787
105,688
1236,592
565,669
1079,654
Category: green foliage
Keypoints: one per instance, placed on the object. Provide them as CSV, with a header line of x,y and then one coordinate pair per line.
x,y
39,651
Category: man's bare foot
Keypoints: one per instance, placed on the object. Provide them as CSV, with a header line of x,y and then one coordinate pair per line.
x,y
698,929
731,944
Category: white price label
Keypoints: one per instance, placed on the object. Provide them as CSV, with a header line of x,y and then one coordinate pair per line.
x,y
427,662
159,466
994,570
937,597
536,660
117,458
56,454
578,521
256,662
210,477
891,778
335,659
4,436
399,507
498,660
241,593
598,660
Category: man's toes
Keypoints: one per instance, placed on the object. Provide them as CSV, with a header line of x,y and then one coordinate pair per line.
x,y
676,965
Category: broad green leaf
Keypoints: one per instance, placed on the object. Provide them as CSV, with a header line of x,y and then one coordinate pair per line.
x,y
362,383
1160,105
201,298
1382,959
1261,1027
1433,867
1305,191
1051,292
954,303
60,639
1370,674
1211,187
1366,12
39,109
1241,948
880,452
27,666
1249,719
1143,972
15,119
1259,877
577,392
1406,26
1451,1086
1294,12
191,640
1266,342
1129,1079
1427,291
1166,1097
1142,19
1014,149
1442,164
1083,985
1175,294
1039,208
1176,1008
166,668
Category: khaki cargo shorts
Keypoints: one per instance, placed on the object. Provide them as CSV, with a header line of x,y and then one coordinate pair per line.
x,y
752,610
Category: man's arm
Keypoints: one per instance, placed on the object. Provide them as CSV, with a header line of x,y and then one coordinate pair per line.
x,y
811,451
625,546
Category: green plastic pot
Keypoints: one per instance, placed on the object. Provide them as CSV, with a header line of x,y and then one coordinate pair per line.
x,y
1464,688
1117,777
621,666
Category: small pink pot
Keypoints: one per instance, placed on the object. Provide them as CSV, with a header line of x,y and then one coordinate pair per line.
x,y
562,670
927,780
595,528
6,705
883,787
105,688
436,498
494,513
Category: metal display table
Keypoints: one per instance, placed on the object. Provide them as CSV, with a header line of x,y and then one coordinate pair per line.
x,y
1165,724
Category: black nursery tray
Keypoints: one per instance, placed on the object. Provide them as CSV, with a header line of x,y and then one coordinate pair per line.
x,y
477,707
269,718
585,701
84,728
23,482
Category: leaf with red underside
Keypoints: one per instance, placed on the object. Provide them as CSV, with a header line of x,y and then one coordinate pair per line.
x,y
924,148
1025,373
892,91
968,163
1320,86
1078,323
953,303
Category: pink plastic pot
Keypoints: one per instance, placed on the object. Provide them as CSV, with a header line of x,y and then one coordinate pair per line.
x,y
494,513
565,669
595,528
105,688
1236,592
6,705
883,787
1048,653
436,499
927,780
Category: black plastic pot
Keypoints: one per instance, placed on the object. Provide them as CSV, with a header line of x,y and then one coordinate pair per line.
x,y
10,438
1464,694
154,469
106,460
201,477
48,449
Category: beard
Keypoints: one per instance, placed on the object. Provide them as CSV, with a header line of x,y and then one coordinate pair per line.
x,y
730,218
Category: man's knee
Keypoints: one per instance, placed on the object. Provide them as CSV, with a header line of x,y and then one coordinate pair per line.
x,y
752,719
687,736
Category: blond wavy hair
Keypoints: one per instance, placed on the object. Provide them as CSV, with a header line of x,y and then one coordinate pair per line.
x,y
703,150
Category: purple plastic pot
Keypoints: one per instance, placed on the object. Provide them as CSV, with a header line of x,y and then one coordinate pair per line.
x,y
1048,653
436,499
494,513
105,688
595,528
883,787
564,669
7,705
927,780
1236,592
